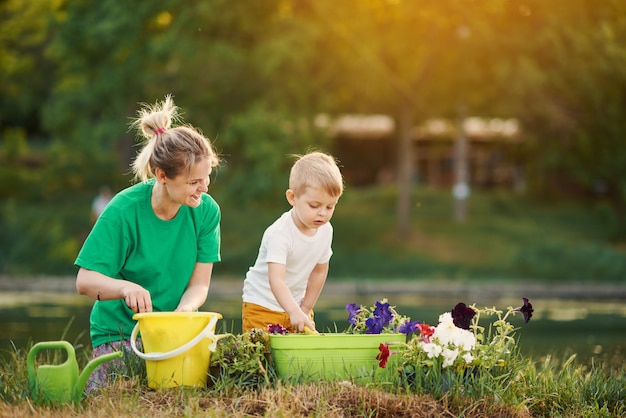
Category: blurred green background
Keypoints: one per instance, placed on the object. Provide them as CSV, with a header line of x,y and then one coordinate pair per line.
x,y
266,79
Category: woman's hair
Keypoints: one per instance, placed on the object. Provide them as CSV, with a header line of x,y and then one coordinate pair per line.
x,y
173,149
316,169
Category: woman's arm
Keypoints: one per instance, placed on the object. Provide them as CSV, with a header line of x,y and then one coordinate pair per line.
x,y
100,287
198,288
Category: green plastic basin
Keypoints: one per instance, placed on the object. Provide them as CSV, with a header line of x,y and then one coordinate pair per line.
x,y
328,356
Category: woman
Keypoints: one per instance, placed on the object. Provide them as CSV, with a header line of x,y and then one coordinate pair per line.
x,y
153,247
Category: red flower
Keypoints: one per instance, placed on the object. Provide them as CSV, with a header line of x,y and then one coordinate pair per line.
x,y
383,356
426,331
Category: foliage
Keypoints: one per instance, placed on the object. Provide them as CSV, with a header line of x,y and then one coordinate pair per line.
x,y
561,388
26,74
43,237
242,360
253,75
100,75
458,350
574,130
584,261
459,342
14,384
243,384
381,318
42,234
520,389
75,71
257,147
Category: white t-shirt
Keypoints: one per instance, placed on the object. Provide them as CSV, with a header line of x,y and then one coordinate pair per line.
x,y
283,243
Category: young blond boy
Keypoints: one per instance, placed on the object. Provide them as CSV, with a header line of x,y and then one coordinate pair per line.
x,y
291,268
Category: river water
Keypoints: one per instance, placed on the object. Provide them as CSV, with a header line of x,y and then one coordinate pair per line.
x,y
593,329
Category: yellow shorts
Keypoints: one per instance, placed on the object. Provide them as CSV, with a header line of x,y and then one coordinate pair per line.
x,y
257,316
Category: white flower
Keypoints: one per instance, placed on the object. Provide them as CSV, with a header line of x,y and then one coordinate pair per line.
x,y
431,349
447,333
446,318
468,357
446,330
449,356
465,339
449,342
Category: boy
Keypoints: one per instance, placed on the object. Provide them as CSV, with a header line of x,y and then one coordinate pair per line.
x,y
290,270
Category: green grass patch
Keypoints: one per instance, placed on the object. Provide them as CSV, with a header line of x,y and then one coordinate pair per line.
x,y
506,236
523,388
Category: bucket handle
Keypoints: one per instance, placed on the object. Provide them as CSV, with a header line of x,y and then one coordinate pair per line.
x,y
156,356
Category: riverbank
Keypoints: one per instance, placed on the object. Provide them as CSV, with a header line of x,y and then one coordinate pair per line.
x,y
609,292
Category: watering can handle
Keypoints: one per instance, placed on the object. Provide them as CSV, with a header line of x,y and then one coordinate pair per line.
x,y
46,345
205,333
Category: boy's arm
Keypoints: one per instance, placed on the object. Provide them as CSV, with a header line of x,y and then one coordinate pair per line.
x,y
277,273
316,281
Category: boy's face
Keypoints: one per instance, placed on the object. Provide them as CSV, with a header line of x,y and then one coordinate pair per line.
x,y
312,208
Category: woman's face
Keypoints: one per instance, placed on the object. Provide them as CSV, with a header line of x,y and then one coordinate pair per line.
x,y
187,188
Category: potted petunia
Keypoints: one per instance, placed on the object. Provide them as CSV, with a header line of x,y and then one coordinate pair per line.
x,y
382,318
342,355
459,343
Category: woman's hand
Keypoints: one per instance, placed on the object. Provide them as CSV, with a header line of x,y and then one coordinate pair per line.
x,y
137,298
101,287
185,308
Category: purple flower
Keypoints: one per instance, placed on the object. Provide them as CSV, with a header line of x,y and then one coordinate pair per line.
x,y
462,315
374,325
353,310
409,326
276,329
527,310
382,310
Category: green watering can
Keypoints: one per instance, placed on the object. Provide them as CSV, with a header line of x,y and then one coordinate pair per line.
x,y
60,383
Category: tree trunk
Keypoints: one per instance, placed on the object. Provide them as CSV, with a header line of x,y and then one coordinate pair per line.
x,y
405,172
461,190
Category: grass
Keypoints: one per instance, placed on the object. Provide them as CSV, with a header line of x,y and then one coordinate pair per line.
x,y
523,388
506,236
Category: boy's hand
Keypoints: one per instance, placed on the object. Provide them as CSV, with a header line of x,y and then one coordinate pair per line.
x,y
310,331
299,320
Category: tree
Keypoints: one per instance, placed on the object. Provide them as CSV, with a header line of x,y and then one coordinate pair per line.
x,y
24,69
408,59
571,90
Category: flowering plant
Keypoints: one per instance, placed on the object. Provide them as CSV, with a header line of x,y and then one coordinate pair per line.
x,y
276,329
459,341
378,319
242,359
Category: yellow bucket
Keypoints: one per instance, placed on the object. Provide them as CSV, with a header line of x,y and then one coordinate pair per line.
x,y
177,346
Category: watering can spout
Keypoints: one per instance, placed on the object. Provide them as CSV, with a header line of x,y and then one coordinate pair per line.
x,y
83,378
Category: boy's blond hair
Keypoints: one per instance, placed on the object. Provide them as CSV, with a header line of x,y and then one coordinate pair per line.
x,y
316,169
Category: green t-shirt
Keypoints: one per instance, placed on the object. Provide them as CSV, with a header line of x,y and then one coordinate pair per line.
x,y
130,242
